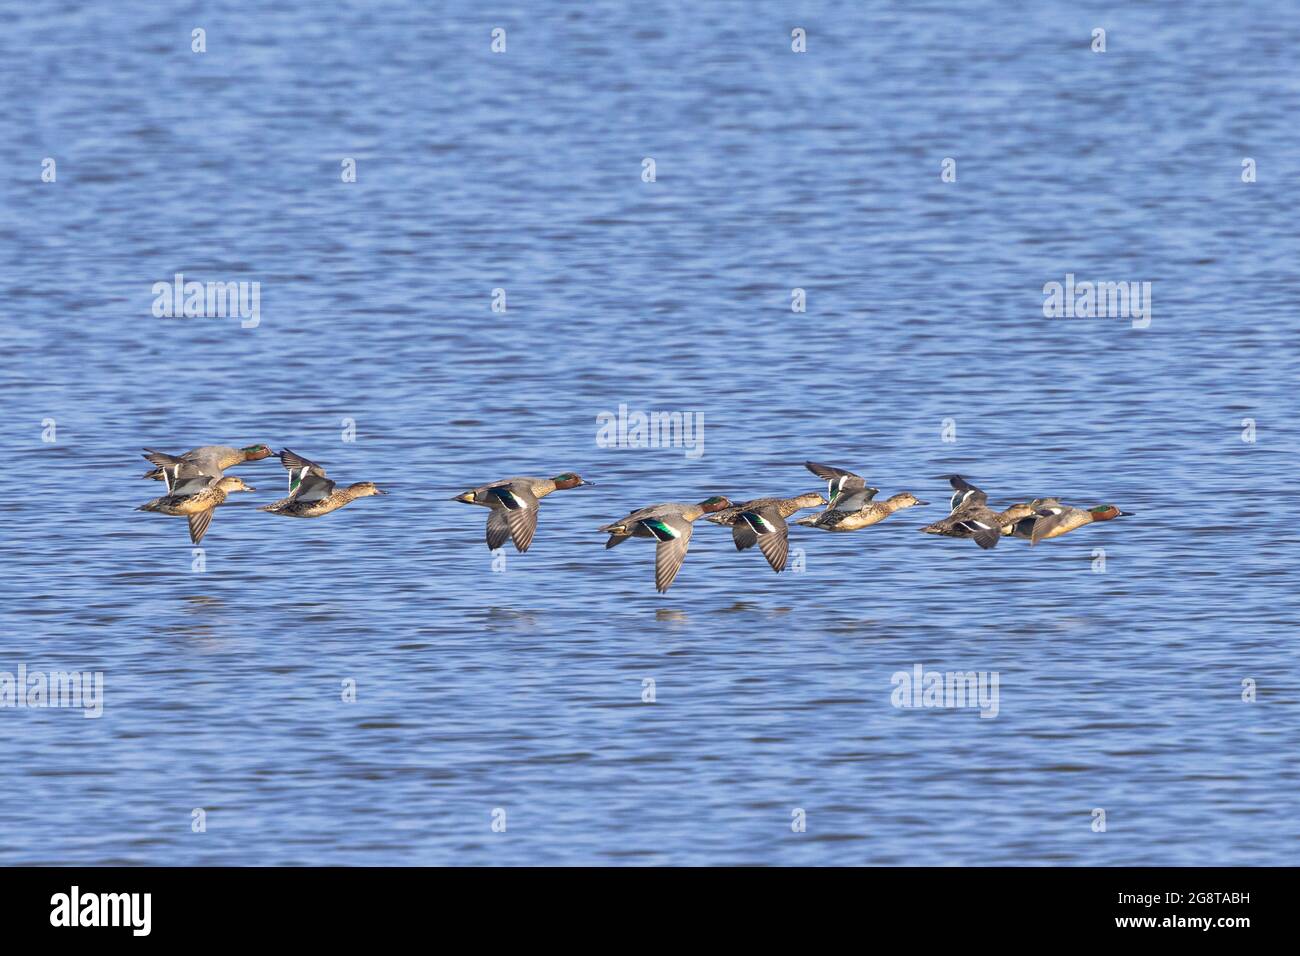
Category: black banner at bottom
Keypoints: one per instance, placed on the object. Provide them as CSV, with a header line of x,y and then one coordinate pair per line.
x,y
333,906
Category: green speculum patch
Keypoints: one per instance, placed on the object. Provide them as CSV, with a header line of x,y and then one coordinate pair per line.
x,y
660,529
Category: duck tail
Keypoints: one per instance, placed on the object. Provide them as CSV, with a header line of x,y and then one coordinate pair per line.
x,y
617,534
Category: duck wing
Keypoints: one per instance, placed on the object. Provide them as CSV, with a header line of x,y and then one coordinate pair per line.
x,y
827,471
299,468
199,524
964,495
310,488
853,500
188,483
171,467
1048,520
986,534
770,532
498,529
522,523
673,532
840,482
186,474
518,506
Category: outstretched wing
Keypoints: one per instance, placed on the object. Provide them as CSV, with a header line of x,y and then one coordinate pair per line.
x,y
743,535
673,533
771,533
523,525
160,458
986,535
519,507
840,482
299,468
964,495
199,524
1049,519
828,472
498,529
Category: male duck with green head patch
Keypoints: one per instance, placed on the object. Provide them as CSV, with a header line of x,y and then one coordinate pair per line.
x,y
1052,522
207,460
761,521
668,524
513,504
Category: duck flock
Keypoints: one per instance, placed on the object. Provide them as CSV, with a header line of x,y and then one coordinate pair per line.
x,y
197,484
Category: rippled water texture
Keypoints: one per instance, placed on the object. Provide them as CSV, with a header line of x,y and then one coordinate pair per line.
x,y
522,689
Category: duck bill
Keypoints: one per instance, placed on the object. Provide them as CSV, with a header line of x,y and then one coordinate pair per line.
x,y
585,482
921,503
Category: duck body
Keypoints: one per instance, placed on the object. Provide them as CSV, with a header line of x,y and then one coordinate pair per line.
x,y
762,521
852,512
206,459
514,503
982,523
1054,523
195,498
971,517
1024,528
319,497
311,494
668,524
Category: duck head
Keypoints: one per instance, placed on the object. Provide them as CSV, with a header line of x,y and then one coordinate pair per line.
x,y
716,503
364,489
256,452
232,483
1106,512
569,480
905,499
1017,511
812,499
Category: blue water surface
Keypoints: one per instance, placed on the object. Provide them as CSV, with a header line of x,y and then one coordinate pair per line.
x,y
519,687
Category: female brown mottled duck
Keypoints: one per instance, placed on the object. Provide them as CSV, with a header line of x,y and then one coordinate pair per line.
x,y
195,496
311,494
